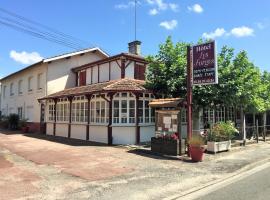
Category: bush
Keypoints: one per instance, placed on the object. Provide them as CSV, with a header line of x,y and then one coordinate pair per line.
x,y
4,123
22,123
196,141
13,120
222,131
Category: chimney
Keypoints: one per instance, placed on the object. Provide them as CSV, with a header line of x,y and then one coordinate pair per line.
x,y
134,47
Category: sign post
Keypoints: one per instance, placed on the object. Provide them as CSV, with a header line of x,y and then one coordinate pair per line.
x,y
201,70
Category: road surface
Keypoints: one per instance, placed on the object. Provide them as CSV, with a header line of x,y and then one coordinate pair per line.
x,y
255,186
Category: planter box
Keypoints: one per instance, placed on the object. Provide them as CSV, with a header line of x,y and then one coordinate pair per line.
x,y
168,146
218,146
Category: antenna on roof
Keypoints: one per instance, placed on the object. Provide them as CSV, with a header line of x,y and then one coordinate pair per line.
x,y
135,20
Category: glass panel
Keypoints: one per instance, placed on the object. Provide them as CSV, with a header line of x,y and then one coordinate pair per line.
x,y
124,111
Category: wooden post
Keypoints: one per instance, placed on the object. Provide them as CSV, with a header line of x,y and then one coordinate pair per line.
x,y
70,112
257,131
189,96
88,117
54,124
138,136
264,126
244,129
110,139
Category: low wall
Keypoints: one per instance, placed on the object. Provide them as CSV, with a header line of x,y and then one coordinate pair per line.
x,y
98,133
49,128
78,131
124,134
61,130
146,133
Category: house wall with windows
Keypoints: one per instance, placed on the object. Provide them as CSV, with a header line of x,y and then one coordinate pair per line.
x,y
21,90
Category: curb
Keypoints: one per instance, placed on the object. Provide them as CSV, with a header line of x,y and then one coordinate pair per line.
x,y
241,172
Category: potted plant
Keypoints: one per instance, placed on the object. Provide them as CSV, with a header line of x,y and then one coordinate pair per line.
x,y
219,138
23,125
196,148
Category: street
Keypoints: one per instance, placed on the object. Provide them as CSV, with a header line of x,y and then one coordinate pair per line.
x,y
255,186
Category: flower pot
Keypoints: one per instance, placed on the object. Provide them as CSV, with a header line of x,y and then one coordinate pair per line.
x,y
25,129
196,153
218,146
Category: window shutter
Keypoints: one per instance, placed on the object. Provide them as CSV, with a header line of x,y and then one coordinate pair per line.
x,y
139,72
82,78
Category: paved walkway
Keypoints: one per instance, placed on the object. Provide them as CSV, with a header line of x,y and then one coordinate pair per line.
x,y
40,168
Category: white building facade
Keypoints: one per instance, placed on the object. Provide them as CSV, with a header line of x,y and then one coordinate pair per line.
x,y
21,89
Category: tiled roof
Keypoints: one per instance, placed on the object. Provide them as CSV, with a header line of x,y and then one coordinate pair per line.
x,y
166,103
126,84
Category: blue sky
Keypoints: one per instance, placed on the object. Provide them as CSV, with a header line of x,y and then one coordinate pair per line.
x,y
241,24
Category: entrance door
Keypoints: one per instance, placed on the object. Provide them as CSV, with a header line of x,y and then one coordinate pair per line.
x,y
42,119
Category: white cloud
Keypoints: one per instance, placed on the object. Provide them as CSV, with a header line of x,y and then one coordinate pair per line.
x,y
212,35
169,25
153,11
197,8
174,7
160,5
242,31
123,6
25,57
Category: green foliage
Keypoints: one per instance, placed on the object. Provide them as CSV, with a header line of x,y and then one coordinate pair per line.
x,y
13,120
4,122
222,131
240,82
196,141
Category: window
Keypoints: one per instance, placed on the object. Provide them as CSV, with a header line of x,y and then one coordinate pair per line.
x,y
124,109
51,110
30,86
20,87
220,114
139,72
39,81
82,78
99,110
20,112
4,91
62,110
146,113
79,109
11,89
230,114
184,115
209,116
30,113
115,111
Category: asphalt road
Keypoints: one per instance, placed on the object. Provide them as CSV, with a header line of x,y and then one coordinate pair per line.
x,y
255,186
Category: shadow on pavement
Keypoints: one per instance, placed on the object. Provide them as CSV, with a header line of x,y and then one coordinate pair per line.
x,y
56,139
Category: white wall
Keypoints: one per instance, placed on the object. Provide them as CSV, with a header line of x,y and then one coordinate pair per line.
x,y
95,74
115,70
124,135
146,133
28,99
49,128
60,75
129,73
88,76
104,72
78,131
98,134
61,130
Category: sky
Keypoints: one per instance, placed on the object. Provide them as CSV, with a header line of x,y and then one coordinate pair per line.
x,y
109,24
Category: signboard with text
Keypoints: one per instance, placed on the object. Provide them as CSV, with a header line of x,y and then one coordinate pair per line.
x,y
204,64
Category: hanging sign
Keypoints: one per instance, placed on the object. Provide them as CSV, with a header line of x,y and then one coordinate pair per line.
x,y
204,64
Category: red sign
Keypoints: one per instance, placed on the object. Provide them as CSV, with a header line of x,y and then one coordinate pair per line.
x,y
204,65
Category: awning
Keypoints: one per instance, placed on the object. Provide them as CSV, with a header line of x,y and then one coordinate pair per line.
x,y
167,103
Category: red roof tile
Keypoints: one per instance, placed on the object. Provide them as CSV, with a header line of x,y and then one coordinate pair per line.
x,y
126,84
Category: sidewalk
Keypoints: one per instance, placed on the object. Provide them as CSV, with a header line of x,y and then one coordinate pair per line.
x,y
54,170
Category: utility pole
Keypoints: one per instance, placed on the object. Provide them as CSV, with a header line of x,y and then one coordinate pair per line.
x,y
189,95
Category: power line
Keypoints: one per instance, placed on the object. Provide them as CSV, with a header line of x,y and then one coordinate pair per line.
x,y
13,23
22,24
